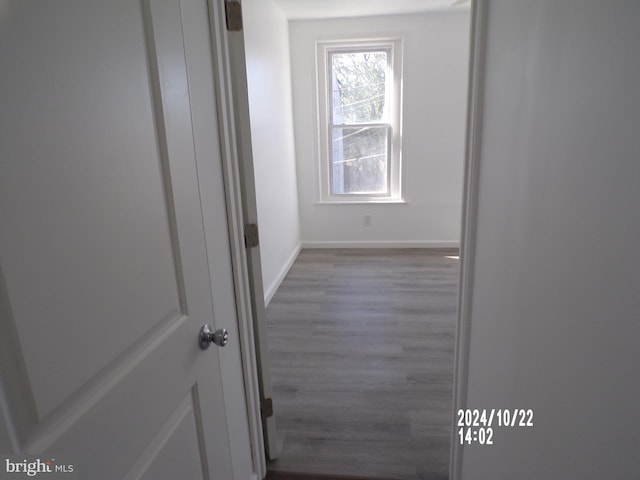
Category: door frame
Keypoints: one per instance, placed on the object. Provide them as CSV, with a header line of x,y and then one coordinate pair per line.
x,y
473,138
242,124
229,115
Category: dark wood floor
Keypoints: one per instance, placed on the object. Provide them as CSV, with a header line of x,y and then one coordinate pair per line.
x,y
361,345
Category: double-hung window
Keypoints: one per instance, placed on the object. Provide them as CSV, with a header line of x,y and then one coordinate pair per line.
x,y
359,112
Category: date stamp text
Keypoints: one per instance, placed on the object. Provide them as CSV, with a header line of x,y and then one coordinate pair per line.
x,y
476,426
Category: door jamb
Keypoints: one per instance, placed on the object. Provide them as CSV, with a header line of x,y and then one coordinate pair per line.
x,y
475,97
231,157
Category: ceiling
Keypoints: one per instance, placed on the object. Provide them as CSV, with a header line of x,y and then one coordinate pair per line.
x,y
299,9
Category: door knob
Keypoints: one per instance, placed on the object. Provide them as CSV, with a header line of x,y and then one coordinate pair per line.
x,y
207,336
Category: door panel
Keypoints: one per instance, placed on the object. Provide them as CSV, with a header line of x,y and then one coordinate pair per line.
x,y
175,451
105,271
79,229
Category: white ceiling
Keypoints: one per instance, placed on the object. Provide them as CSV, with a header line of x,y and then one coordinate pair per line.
x,y
299,9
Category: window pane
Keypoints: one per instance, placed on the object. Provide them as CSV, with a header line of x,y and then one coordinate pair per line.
x,y
358,87
359,160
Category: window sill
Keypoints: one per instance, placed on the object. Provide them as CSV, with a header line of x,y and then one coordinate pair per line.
x,y
395,201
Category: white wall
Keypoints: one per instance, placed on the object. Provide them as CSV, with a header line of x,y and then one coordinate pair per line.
x,y
555,319
435,83
269,81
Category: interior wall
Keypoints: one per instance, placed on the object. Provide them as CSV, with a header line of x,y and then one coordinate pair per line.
x,y
269,83
434,114
555,318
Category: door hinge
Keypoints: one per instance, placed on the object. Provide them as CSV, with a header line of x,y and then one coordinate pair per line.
x,y
233,14
266,408
251,238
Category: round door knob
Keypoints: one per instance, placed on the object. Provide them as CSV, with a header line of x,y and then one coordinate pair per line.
x,y
207,336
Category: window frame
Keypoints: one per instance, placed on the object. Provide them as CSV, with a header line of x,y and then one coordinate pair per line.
x,y
324,73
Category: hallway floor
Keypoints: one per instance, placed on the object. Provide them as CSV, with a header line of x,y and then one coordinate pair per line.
x,y
361,344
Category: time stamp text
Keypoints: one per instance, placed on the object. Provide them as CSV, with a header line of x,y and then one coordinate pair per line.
x,y
476,426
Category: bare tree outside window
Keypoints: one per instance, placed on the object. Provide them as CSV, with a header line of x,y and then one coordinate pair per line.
x,y
360,129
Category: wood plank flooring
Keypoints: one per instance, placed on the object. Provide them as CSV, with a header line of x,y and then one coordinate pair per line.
x,y
275,475
361,345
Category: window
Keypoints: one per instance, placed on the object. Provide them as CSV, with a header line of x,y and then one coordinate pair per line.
x,y
359,100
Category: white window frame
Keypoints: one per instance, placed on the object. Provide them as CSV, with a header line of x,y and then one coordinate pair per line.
x,y
324,50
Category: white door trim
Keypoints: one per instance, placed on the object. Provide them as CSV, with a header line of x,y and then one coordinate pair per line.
x,y
233,192
475,98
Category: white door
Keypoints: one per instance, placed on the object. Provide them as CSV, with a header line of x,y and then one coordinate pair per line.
x,y
108,122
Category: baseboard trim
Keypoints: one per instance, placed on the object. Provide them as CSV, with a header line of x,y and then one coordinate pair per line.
x,y
273,288
383,244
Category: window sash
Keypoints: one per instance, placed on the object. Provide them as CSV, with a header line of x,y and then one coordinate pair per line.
x,y
336,166
389,77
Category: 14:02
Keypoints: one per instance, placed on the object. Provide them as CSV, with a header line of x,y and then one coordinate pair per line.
x,y
481,436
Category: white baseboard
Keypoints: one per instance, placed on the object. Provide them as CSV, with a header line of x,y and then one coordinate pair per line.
x,y
383,244
273,288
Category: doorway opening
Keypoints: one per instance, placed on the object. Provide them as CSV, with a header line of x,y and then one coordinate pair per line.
x,y
361,298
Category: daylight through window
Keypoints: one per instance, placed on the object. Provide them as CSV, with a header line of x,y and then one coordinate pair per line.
x,y
361,129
